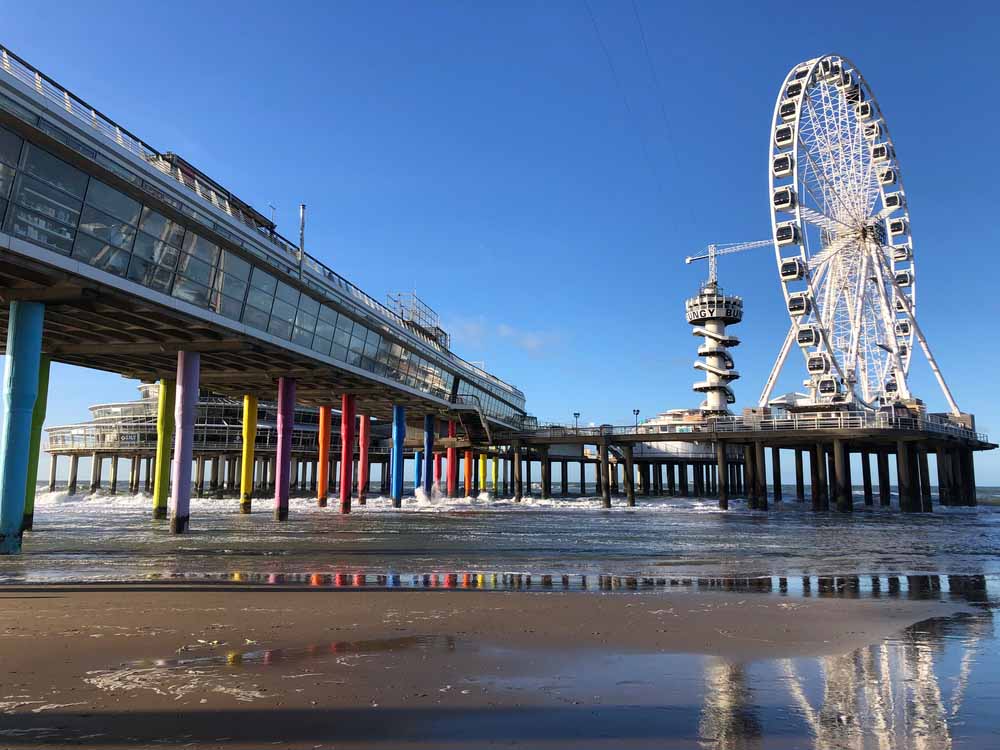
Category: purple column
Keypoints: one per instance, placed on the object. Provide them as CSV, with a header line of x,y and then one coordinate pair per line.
x,y
286,421
185,405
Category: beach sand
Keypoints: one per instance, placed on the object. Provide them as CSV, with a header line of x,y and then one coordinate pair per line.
x,y
207,668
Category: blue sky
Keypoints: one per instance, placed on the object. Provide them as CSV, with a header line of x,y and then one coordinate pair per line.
x,y
487,156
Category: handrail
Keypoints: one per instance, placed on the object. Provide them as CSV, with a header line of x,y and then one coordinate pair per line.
x,y
73,105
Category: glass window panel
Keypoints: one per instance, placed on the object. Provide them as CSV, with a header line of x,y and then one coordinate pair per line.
x,y
324,329
328,315
321,345
357,344
371,350
6,180
110,201
261,279
308,305
283,311
306,322
287,293
150,249
107,228
150,274
230,285
161,227
201,248
345,324
195,269
101,254
254,317
339,352
47,200
342,338
302,336
10,147
39,229
190,291
279,327
354,358
235,266
229,306
54,171
261,300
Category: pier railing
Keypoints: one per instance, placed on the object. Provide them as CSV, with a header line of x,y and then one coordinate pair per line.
x,y
791,422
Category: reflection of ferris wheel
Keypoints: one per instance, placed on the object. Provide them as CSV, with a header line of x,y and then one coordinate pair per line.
x,y
841,234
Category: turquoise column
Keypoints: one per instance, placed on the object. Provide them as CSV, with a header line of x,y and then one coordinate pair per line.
x,y
418,470
20,387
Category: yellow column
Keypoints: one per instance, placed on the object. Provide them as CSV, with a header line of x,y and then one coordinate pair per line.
x,y
482,472
496,474
247,459
164,438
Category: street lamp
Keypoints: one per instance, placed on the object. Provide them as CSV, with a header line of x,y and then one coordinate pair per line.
x,y
635,413
576,420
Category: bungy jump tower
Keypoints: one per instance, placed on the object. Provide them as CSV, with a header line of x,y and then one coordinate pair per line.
x,y
710,312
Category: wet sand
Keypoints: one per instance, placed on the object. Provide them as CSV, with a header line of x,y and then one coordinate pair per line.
x,y
299,669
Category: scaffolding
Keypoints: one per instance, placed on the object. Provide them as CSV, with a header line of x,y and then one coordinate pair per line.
x,y
419,314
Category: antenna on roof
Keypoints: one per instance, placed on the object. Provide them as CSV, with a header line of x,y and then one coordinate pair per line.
x,y
302,235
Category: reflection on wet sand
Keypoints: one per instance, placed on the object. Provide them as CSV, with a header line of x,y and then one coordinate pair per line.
x,y
899,694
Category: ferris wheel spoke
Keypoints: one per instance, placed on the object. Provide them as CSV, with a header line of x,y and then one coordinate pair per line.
x,y
829,251
822,221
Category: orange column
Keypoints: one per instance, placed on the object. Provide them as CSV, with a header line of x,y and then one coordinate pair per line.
x,y
323,483
468,473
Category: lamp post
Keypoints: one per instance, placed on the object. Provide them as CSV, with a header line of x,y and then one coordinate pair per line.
x,y
576,420
635,413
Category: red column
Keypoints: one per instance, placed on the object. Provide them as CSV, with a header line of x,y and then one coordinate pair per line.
x,y
363,432
437,470
452,464
347,415
468,473
323,485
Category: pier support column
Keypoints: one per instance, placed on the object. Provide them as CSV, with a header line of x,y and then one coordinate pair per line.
x,y
74,469
506,475
884,490
682,470
216,482
452,462
760,475
396,455
604,465
643,480
800,484
185,408
564,478
613,469
20,382
418,471
53,465
969,472
35,442
323,454
348,406
749,465
199,475
518,488
467,474
437,470
926,504
527,471
364,463
671,482
546,466
657,478
482,473
944,476
820,496
776,472
496,475
629,475
429,423
866,477
113,484
845,502
722,471
583,478
96,464
904,477
283,449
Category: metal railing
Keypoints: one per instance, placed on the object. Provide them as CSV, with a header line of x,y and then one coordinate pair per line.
x,y
90,116
797,422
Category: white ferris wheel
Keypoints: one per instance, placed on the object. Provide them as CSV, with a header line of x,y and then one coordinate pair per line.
x,y
841,234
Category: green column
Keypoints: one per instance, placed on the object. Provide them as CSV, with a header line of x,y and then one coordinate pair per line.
x,y
164,437
37,419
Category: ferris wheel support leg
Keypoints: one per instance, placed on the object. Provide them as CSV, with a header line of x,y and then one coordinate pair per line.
x,y
887,316
778,364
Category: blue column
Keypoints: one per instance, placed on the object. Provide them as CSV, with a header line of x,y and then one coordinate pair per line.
x,y
20,387
428,453
418,470
398,435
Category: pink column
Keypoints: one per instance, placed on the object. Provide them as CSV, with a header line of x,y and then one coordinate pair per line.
x,y
364,427
286,422
347,415
185,406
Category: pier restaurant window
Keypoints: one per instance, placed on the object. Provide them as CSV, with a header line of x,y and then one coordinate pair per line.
x,y
10,152
196,270
326,325
157,247
46,204
231,283
107,228
260,298
286,300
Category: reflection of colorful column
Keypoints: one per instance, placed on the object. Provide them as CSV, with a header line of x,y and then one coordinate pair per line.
x,y
247,459
325,426
286,423
185,406
35,442
482,472
164,436
396,463
452,463
428,452
468,473
347,416
20,385
364,431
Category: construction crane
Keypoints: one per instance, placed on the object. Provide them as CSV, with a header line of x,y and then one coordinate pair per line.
x,y
715,250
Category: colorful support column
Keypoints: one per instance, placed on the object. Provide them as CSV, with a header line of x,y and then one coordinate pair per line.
x,y
348,406
468,474
452,462
35,446
437,470
496,475
286,423
418,471
165,404
396,462
325,427
364,472
20,389
185,406
247,458
428,453
482,472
